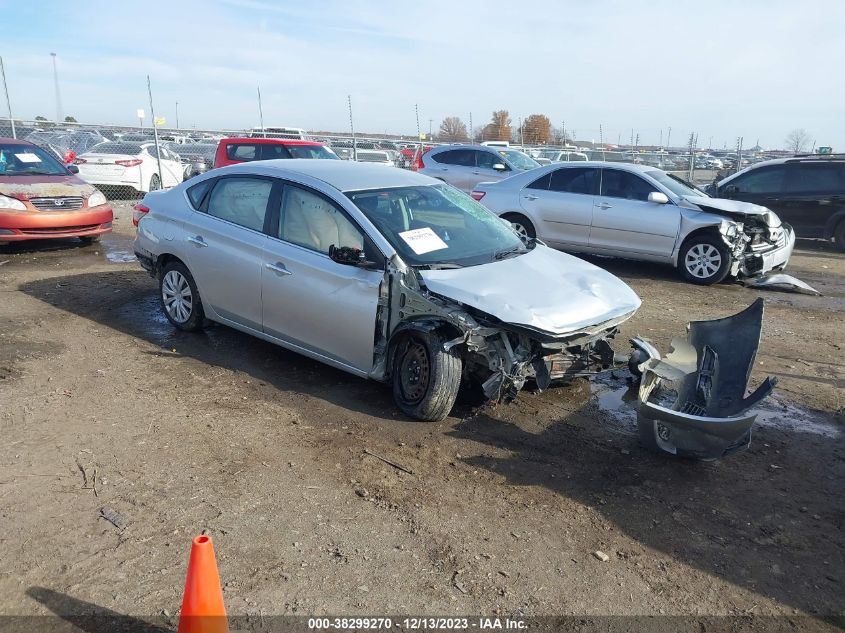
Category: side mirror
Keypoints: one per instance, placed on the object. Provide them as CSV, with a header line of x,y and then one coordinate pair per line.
x,y
712,190
348,255
499,167
73,169
658,197
730,191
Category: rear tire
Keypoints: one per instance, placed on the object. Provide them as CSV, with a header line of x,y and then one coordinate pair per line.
x,y
839,235
521,225
426,378
180,299
704,260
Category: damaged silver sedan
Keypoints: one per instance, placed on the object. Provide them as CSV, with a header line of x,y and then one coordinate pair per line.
x,y
389,275
643,213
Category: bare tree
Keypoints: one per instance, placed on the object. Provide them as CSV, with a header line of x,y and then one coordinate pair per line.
x,y
797,140
452,129
537,129
499,128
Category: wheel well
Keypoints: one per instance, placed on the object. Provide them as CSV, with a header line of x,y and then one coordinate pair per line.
x,y
164,260
711,231
445,329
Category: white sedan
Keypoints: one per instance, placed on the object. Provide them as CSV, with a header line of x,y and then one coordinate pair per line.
x,y
130,164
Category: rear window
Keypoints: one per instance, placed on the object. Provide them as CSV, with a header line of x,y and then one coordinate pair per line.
x,y
311,151
242,151
810,178
198,191
132,149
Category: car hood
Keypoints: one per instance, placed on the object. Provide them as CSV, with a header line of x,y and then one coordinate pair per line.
x,y
544,289
25,187
734,207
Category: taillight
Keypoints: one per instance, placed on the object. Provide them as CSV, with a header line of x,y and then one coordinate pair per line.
x,y
79,161
418,161
132,162
139,210
477,195
70,155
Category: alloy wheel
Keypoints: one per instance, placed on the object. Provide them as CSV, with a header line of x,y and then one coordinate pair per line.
x,y
177,297
703,261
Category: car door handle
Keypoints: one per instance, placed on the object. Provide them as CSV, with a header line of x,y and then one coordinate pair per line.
x,y
604,205
530,197
278,268
198,241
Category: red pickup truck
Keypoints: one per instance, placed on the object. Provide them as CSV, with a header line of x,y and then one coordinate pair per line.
x,y
231,151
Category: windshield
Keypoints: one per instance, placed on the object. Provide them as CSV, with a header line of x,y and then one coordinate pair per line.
x,y
437,225
676,185
28,160
311,151
518,159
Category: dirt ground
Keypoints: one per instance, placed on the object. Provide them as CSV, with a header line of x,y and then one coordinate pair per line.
x,y
104,406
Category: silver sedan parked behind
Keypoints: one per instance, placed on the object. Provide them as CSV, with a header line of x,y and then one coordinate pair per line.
x,y
383,273
464,166
641,212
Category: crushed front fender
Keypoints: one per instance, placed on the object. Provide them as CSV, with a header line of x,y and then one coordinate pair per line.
x,y
693,402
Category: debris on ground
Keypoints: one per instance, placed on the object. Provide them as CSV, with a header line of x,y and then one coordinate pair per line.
x,y
113,516
782,283
601,556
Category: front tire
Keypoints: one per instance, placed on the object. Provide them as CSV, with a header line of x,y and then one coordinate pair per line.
x,y
426,378
704,260
90,239
180,299
155,183
521,225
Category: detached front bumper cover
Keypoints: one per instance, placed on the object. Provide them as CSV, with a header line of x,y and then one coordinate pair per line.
x,y
693,403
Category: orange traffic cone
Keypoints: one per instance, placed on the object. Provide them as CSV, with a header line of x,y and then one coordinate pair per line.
x,y
202,604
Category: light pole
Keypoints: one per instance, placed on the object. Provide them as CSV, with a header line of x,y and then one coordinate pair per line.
x,y
8,102
58,94
177,115
430,123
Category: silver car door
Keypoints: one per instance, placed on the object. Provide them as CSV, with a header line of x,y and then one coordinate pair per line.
x,y
310,301
225,247
483,170
625,222
565,208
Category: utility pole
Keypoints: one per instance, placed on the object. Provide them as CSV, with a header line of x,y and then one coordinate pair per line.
x,y
661,138
669,138
155,133
177,115
58,95
563,131
261,113
8,102
471,131
738,154
430,135
601,140
352,129
419,136
521,141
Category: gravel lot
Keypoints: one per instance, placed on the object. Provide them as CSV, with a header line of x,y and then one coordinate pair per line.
x,y
504,510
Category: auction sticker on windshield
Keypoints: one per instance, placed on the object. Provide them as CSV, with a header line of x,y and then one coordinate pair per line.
x,y
28,157
423,241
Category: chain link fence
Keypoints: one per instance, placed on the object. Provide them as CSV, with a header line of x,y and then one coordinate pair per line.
x,y
125,162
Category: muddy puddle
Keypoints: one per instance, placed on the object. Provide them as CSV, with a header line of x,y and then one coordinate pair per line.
x,y
117,251
617,400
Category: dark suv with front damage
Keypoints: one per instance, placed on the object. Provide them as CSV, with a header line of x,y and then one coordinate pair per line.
x,y
808,192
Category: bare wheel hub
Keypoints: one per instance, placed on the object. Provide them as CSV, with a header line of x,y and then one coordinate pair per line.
x,y
414,371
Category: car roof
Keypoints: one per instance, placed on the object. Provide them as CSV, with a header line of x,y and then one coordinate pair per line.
x,y
271,141
340,174
7,140
606,164
820,158
486,148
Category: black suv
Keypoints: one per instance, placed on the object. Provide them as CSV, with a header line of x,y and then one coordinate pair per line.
x,y
808,192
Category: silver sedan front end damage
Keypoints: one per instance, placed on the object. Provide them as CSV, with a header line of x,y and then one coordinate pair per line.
x,y
693,403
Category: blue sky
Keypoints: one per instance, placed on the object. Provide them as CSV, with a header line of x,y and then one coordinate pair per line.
x,y
723,69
